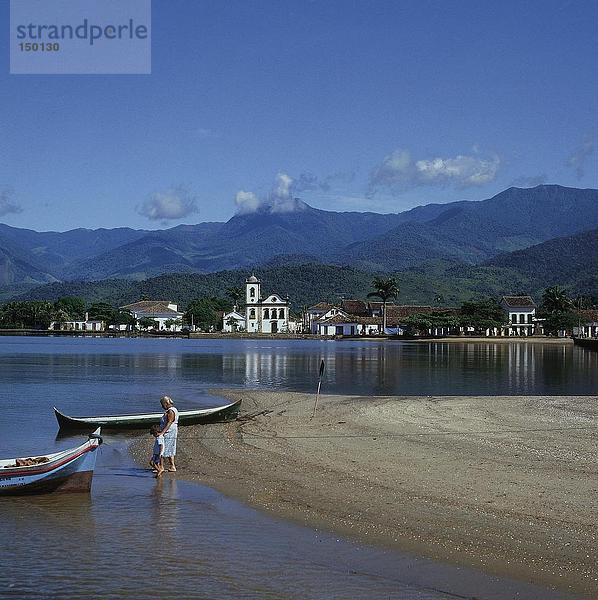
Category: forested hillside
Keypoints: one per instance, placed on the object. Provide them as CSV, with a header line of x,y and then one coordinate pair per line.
x,y
438,283
570,261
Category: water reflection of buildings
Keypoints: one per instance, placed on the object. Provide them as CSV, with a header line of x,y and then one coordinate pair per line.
x,y
521,366
266,367
518,367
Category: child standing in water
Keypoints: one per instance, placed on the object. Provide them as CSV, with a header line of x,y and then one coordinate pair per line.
x,y
156,461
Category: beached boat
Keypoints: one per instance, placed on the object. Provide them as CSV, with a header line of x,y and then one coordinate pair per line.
x,y
66,471
226,412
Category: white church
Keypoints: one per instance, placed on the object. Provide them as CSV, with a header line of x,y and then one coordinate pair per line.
x,y
262,315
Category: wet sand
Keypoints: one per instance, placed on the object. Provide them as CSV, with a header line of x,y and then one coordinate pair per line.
x,y
505,484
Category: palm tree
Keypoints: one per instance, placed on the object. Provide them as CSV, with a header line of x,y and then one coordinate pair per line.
x,y
235,293
555,299
385,289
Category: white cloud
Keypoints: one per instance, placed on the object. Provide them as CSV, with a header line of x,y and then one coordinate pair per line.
x,y
465,170
282,186
168,205
247,202
398,171
279,200
577,159
7,204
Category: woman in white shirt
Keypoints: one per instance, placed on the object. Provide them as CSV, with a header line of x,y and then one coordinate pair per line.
x,y
169,428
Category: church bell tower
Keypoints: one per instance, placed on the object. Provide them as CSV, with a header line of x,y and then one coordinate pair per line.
x,y
253,296
252,290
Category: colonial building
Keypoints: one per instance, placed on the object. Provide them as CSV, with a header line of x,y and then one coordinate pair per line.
x,y
338,322
315,313
78,325
264,315
157,310
588,323
233,321
358,317
521,312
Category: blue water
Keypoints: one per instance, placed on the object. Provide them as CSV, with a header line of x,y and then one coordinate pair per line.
x,y
135,537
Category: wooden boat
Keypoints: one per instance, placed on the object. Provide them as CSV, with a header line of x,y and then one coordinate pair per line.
x,y
66,471
226,412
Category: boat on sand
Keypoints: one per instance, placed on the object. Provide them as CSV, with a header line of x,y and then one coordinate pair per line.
x,y
226,412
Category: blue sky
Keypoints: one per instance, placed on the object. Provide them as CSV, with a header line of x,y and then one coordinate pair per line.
x,y
348,105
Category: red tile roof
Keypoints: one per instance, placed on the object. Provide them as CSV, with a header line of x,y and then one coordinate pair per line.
x,y
355,307
349,319
519,301
321,306
407,310
589,315
151,307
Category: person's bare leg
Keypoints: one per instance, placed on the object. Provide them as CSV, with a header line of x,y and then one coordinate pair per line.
x,y
172,465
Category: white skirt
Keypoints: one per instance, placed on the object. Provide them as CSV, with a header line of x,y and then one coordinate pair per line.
x,y
170,441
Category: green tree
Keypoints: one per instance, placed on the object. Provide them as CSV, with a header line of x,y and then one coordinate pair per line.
x,y
560,321
444,319
147,323
232,323
170,323
123,317
482,315
101,311
416,324
386,289
72,307
27,314
557,312
206,312
40,314
12,315
236,294
555,299
423,322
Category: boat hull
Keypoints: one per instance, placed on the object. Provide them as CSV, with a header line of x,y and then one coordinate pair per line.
x,y
228,412
68,472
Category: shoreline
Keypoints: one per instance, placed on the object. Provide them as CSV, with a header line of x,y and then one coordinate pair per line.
x,y
280,336
503,484
500,339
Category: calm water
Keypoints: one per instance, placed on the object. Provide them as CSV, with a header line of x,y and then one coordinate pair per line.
x,y
134,537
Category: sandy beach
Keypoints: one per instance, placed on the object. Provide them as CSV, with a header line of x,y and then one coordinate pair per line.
x,y
505,484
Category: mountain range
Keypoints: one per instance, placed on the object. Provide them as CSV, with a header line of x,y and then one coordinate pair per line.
x,y
545,234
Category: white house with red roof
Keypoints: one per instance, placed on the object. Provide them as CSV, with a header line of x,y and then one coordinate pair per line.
x,y
160,311
521,312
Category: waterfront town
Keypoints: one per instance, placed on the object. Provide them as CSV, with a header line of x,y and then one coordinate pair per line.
x,y
252,313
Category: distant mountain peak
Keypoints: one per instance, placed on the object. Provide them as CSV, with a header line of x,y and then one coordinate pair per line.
x,y
277,206
281,225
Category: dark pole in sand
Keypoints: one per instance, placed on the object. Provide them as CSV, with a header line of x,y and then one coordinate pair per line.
x,y
319,386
